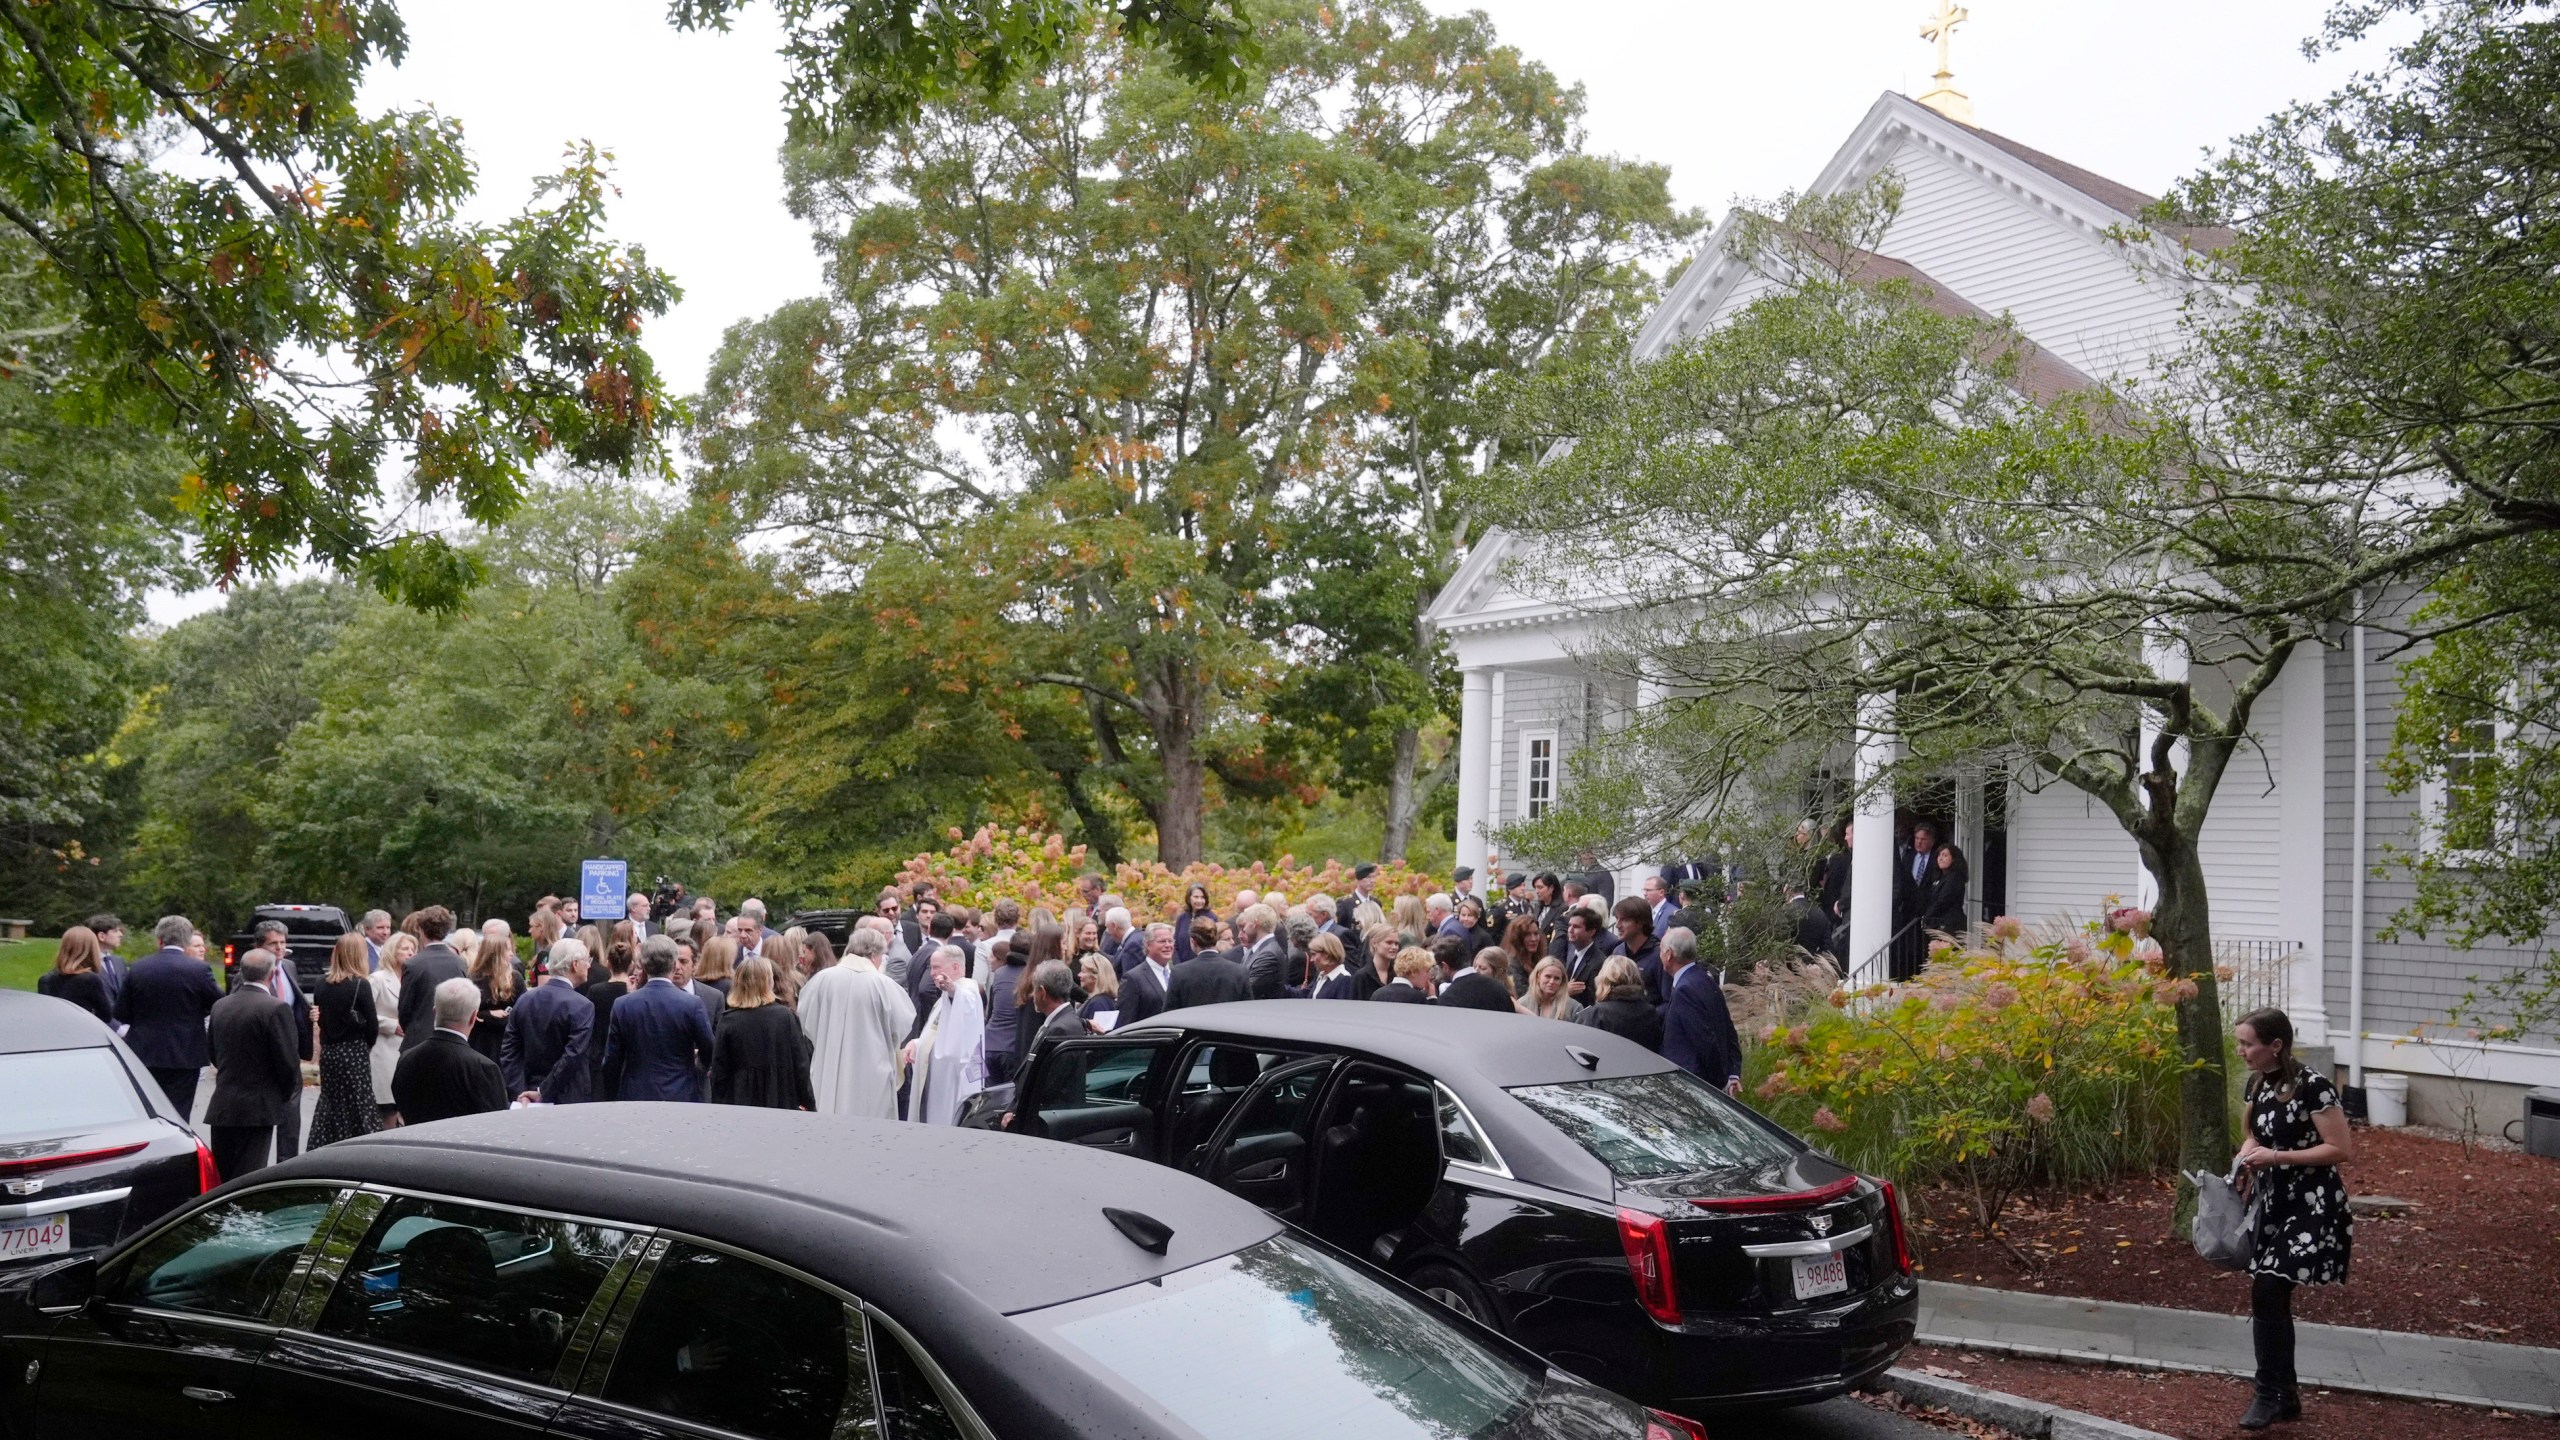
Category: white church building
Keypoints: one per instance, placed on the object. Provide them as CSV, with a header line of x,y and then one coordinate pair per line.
x,y
2301,820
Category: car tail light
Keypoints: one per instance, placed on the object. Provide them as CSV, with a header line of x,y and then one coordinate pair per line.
x,y
1663,1425
1770,1204
1647,1241
29,1165
206,1176
1901,1241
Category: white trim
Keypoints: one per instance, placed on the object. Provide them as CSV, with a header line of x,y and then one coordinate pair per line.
x,y
2494,1061
2432,799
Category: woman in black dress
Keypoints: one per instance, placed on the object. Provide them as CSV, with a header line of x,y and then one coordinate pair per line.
x,y
758,1054
2297,1139
347,1034
493,970
1942,902
78,973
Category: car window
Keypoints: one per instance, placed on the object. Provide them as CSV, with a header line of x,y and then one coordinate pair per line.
x,y
62,1092
230,1258
1100,1074
1459,1137
909,1404
1645,1127
720,1340
492,1289
1213,1079
1283,1340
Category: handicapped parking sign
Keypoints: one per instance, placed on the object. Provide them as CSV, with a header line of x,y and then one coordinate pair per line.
x,y
602,886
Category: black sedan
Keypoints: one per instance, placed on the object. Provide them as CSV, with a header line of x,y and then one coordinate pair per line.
x,y
90,1148
647,1272
1568,1188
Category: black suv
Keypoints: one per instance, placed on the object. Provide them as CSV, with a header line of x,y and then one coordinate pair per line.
x,y
1562,1185
310,933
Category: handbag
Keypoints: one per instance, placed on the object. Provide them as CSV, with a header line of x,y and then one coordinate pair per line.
x,y
2226,1226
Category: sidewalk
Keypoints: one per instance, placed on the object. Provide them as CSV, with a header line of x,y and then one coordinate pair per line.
x,y
2519,1378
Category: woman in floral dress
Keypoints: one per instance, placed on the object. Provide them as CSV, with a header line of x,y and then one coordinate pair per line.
x,y
2297,1139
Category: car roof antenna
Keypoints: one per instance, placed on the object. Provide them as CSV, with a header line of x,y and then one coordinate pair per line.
x,y
1144,1231
1582,1057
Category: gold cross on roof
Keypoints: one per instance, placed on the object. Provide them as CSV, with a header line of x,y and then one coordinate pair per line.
x,y
1944,97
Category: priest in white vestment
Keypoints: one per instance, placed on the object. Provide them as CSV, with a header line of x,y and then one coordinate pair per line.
x,y
950,1057
856,1019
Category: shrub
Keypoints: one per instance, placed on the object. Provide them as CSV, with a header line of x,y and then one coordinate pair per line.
x,y
1039,868
2019,1061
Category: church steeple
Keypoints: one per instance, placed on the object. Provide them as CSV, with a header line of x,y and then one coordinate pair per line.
x,y
1944,97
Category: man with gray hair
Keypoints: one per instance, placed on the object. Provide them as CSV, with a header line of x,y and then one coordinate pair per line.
x,y
377,933
657,1043
949,1056
163,1004
549,1029
257,1078
1053,990
1697,1026
1265,959
442,1076
855,1018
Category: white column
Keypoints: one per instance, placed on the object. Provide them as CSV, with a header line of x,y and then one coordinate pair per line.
x,y
1969,840
1493,810
1871,853
2302,818
1475,750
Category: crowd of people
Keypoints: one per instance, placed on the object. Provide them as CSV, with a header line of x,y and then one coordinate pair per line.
x,y
925,1004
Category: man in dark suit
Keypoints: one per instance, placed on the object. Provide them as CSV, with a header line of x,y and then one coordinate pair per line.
x,y
257,1079
1477,988
601,995
1143,989
657,1045
284,982
443,1076
163,1005
1209,979
1585,951
1266,959
435,963
111,966
1053,990
544,1055
1697,1027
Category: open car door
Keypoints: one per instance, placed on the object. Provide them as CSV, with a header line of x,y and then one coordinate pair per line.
x,y
1260,1153
1376,1148
1100,1092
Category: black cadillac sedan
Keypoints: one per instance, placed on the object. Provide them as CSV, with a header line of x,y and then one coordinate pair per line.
x,y
647,1272
90,1147
1565,1187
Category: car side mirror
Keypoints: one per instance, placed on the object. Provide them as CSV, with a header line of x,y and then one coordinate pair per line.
x,y
65,1287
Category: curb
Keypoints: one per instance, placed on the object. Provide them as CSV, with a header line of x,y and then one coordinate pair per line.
x,y
2136,1362
2028,1419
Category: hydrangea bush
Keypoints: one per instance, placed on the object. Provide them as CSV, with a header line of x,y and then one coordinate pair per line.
x,y
1036,867
2015,1060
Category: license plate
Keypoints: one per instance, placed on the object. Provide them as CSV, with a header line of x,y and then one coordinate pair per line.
x,y
45,1235
1821,1275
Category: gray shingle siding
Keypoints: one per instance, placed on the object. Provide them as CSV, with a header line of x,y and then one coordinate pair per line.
x,y
2412,981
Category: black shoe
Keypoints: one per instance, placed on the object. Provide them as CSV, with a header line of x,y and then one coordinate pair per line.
x,y
2292,1404
2265,1409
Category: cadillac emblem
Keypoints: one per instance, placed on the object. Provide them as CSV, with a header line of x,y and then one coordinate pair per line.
x,y
1821,1224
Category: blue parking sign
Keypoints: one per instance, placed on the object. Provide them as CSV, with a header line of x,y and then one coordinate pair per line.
x,y
602,886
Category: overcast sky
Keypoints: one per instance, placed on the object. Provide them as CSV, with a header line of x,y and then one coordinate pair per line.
x,y
1740,100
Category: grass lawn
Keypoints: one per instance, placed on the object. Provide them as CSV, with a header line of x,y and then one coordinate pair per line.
x,y
21,961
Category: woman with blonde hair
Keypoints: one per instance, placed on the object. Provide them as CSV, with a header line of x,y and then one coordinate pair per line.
x,y
715,961
785,955
1623,1007
491,964
758,1054
386,1020
1546,998
544,927
79,974
1101,981
348,1027
1412,926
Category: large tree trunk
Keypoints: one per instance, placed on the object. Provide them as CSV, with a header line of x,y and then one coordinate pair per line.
x,y
1173,715
2182,924
1404,795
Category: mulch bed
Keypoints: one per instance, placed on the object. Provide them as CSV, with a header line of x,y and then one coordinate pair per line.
x,y
2204,1407
2477,1255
